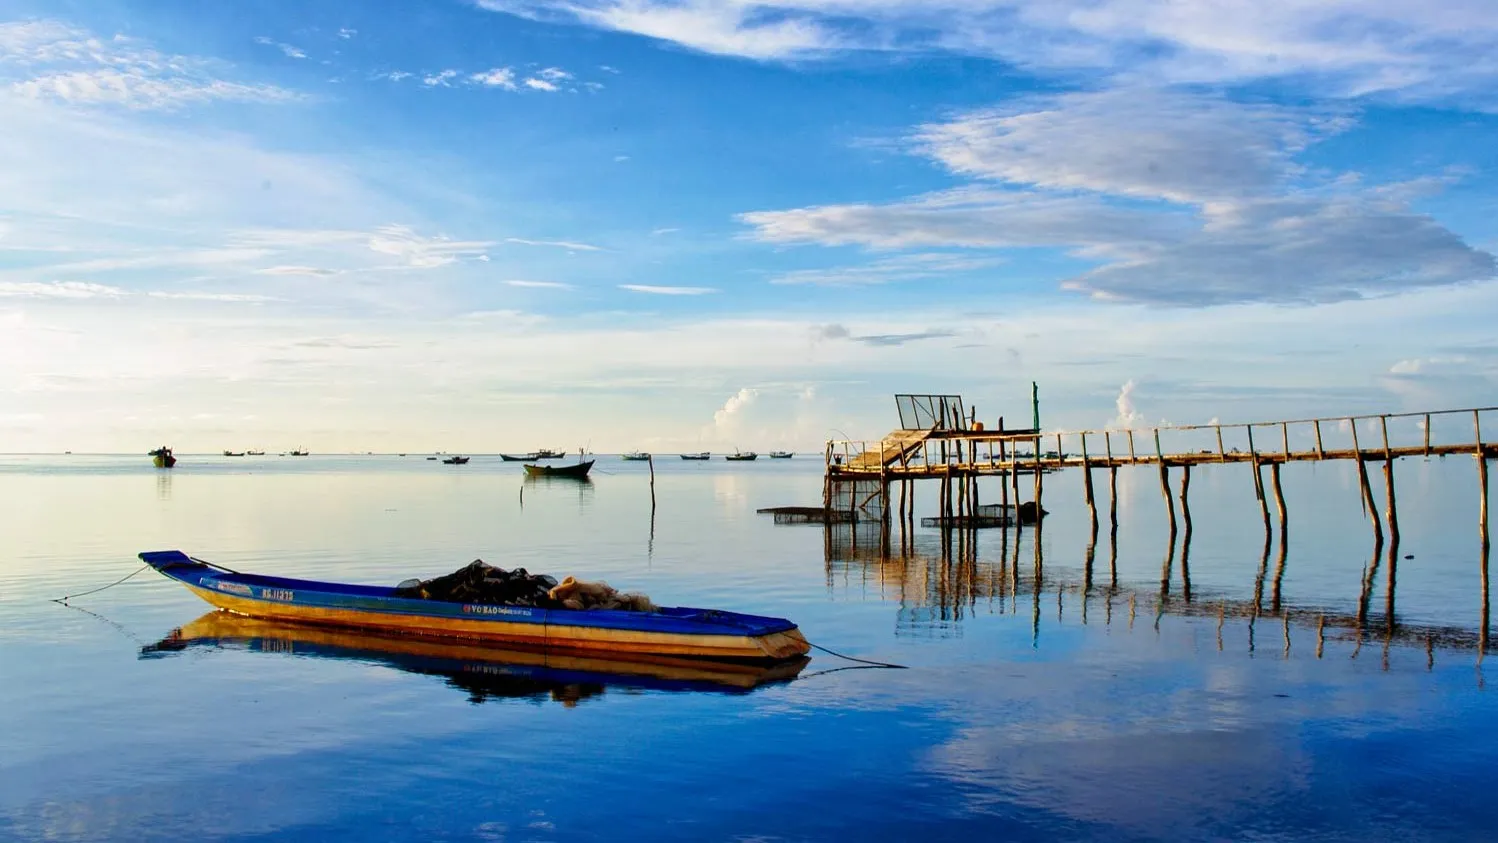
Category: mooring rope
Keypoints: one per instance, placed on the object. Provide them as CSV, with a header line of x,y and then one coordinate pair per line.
x,y
65,599
860,661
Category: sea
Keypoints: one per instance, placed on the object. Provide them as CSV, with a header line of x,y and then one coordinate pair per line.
x,y
1055,684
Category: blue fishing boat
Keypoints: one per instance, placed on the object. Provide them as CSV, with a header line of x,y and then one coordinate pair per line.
x,y
680,631
483,671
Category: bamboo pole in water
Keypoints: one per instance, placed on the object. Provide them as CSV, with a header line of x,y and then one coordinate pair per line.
x,y
1253,455
1482,477
1038,510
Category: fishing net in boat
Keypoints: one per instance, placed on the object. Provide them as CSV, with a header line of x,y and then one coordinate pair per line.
x,y
480,582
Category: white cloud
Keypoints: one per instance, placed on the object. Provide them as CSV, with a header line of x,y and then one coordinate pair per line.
x,y
554,74
57,290
497,77
540,85
1241,219
1347,46
1149,144
442,78
667,291
736,405
561,244
346,33
394,75
542,285
659,231
1128,415
619,159
52,61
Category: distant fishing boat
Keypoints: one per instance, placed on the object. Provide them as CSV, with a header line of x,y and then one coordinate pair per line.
x,y
162,457
705,455
548,454
455,460
579,470
255,453
234,453
635,456
532,457
298,453
781,455
741,457
667,631
432,458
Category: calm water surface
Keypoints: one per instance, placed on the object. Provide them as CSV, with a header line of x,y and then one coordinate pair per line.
x,y
1035,707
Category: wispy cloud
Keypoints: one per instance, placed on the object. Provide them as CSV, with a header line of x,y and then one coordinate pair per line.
x,y
657,290
58,290
440,79
659,231
346,33
560,244
541,285
48,60
247,298
540,85
303,271
910,267
837,331
1348,46
290,51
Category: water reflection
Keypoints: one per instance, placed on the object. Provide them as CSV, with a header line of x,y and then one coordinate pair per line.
x,y
482,672
939,579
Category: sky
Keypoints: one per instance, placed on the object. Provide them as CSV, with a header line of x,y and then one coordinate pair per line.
x,y
713,224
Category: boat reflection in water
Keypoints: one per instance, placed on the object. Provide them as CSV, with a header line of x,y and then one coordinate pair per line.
x,y
484,672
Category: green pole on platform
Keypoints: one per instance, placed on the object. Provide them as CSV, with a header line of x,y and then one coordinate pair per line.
x,y
1035,405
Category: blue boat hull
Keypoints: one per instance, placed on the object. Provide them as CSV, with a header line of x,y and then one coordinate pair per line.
x,y
707,633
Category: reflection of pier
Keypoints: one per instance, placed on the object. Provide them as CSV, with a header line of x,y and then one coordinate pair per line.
x,y
941,580
940,439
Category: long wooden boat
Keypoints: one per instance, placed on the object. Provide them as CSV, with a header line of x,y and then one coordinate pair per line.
x,y
483,671
676,631
699,456
635,456
781,455
518,457
741,457
578,470
456,460
549,454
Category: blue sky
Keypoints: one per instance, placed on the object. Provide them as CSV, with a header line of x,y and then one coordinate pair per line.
x,y
648,224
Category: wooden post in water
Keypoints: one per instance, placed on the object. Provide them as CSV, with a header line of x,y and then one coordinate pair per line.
x,y
1170,507
1482,500
1185,504
1279,502
1222,455
1392,514
1253,458
650,460
1113,500
1038,509
1365,488
1087,487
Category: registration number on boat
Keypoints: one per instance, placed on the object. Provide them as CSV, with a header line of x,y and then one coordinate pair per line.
x,y
277,594
495,610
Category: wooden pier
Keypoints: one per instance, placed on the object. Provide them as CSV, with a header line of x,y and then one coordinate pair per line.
x,y
939,439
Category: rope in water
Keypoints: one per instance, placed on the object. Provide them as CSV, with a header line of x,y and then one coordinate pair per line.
x,y
65,599
860,661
